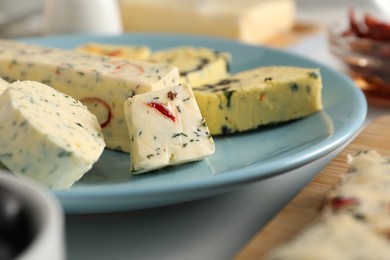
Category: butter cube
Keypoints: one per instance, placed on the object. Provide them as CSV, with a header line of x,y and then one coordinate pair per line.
x,y
166,128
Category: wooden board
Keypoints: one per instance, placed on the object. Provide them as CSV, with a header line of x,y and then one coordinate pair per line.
x,y
304,208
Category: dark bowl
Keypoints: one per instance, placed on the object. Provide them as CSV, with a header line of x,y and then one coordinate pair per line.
x,y
31,221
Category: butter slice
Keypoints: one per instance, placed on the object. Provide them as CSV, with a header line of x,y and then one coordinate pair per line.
x,y
166,128
46,135
102,83
252,21
259,97
197,65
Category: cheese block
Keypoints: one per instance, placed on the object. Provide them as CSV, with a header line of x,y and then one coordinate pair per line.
x,y
3,85
197,65
166,128
130,52
259,97
102,83
252,21
47,136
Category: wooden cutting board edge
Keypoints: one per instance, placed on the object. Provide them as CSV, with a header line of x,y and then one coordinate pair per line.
x,y
304,208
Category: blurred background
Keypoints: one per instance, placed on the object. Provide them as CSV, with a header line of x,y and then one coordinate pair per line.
x,y
21,18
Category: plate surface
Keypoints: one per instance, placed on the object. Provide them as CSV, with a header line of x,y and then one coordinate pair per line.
x,y
239,159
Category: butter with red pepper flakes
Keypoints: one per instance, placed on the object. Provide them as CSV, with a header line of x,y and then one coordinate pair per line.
x,y
341,237
355,220
197,65
265,95
102,83
166,128
46,135
130,52
364,193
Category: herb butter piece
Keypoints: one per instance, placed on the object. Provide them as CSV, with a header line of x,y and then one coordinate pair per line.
x,y
354,222
340,237
166,128
259,97
102,83
46,135
197,65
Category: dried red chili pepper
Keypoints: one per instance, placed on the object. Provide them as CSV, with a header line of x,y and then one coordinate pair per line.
x,y
369,28
163,110
340,202
94,100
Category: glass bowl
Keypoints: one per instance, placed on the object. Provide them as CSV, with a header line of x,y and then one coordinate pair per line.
x,y
367,61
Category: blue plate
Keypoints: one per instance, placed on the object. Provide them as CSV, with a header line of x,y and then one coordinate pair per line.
x,y
240,158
